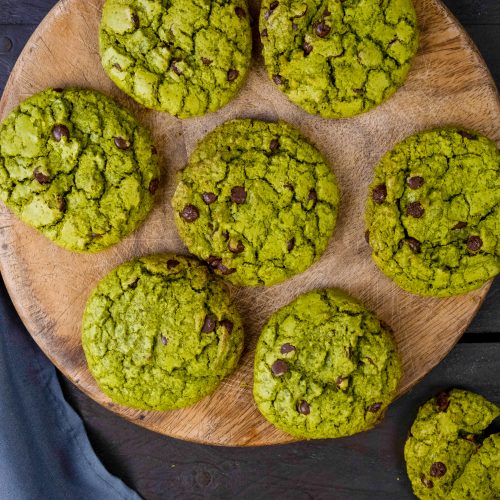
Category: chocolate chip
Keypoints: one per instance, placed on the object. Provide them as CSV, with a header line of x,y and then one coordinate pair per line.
x,y
60,131
172,263
302,14
304,408
459,225
415,209
121,143
367,236
264,33
415,182
338,381
228,325
61,201
153,186
327,12
226,271
206,61
135,20
290,245
438,469
41,177
240,12
134,284
238,195
357,91
474,243
214,262
313,196
286,348
95,235
209,324
274,5
239,248
225,235
190,213
232,74
467,135
307,48
295,26
415,245
279,368
175,68
374,408
274,145
426,482
443,401
277,79
379,194
401,243
117,66
164,340
322,29
209,198
289,187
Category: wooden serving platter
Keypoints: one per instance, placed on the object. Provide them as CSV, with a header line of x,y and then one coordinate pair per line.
x,y
449,84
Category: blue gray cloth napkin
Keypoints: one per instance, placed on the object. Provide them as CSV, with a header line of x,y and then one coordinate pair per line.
x,y
44,450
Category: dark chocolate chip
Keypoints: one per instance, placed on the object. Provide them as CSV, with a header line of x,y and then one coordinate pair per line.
x,y
322,29
274,5
60,131
357,91
238,195
277,79
274,145
304,408
133,285
190,213
467,135
401,243
307,48
164,340
367,236
415,245
438,469
459,225
135,20
379,194
338,381
121,143
214,262
206,61
289,187
374,408
226,271
209,198
290,245
240,12
415,182
279,368
415,209
286,348
153,186
313,196
225,235
209,324
264,33
172,263
95,235
239,248
41,177
327,12
443,401
426,482
228,325
232,74
175,68
474,243
62,204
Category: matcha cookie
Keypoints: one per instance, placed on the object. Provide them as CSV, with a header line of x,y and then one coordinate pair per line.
x,y
161,333
77,167
185,57
443,453
257,202
433,212
325,367
338,58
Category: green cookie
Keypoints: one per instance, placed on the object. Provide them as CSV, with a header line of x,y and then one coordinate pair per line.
x,y
161,333
443,455
78,167
433,212
257,202
338,58
185,57
325,367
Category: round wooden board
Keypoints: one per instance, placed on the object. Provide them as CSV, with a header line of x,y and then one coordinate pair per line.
x,y
449,84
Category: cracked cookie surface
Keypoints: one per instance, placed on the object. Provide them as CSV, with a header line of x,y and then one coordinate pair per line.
x,y
325,367
161,333
184,57
433,213
444,455
338,58
257,202
77,167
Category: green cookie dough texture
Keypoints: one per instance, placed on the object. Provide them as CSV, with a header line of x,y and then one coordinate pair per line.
x,y
338,58
161,333
325,367
185,57
433,212
77,167
257,202
443,454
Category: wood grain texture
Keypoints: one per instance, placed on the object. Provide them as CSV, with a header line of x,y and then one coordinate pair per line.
x,y
449,84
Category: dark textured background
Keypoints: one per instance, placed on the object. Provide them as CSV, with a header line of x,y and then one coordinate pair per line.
x,y
366,466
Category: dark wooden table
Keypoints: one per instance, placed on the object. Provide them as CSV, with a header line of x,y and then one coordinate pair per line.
x,y
365,466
